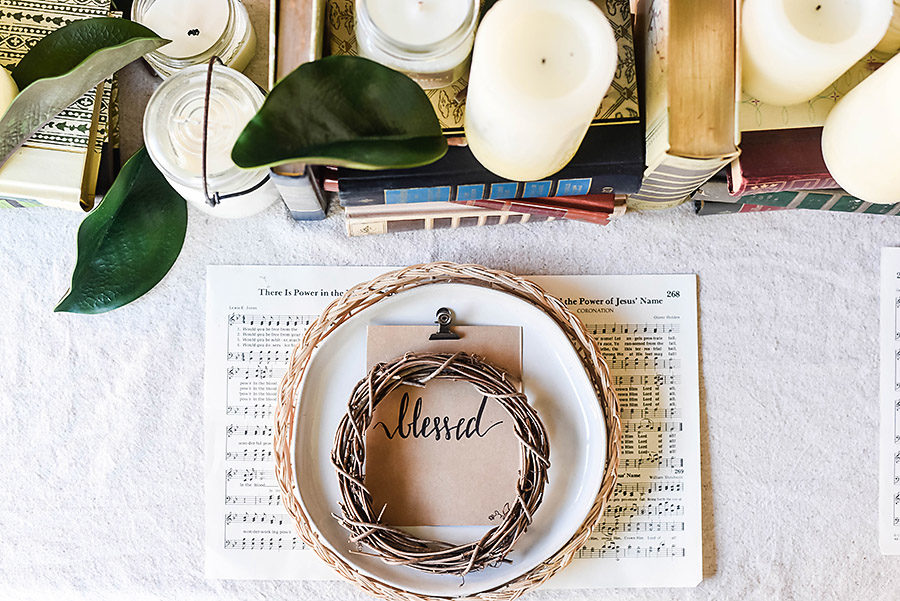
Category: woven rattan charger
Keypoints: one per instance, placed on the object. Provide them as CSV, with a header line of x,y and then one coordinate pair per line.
x,y
369,293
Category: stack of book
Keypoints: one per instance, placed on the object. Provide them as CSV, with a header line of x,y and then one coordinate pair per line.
x,y
74,144
457,191
781,164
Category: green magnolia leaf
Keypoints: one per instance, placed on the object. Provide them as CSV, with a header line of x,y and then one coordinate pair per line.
x,y
129,242
346,111
64,65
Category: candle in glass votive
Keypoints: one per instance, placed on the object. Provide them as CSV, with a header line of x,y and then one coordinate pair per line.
x,y
199,30
859,140
429,40
793,49
539,72
173,134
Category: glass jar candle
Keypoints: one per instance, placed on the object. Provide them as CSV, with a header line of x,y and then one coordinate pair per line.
x,y
173,135
199,30
428,40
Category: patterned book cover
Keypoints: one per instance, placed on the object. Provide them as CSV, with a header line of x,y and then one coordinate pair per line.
x,y
756,115
619,106
22,24
70,144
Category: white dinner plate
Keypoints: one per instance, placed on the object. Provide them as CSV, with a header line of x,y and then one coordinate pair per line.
x,y
555,382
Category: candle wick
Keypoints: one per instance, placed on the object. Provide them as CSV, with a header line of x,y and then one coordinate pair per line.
x,y
543,61
819,7
193,32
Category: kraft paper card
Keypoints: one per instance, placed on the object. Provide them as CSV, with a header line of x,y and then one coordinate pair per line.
x,y
443,455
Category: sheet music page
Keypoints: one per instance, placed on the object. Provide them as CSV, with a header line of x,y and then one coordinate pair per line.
x,y
889,463
651,533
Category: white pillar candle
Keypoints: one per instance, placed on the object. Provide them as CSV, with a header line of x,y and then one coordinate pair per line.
x,y
859,140
890,43
199,30
173,134
429,40
8,90
539,72
793,49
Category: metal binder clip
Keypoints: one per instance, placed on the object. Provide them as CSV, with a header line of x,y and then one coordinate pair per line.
x,y
444,319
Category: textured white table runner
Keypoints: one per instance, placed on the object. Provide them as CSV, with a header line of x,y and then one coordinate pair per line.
x,y
101,486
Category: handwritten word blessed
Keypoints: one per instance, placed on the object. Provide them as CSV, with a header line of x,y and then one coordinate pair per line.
x,y
437,427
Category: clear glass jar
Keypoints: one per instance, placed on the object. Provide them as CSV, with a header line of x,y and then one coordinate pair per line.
x,y
173,135
199,30
429,40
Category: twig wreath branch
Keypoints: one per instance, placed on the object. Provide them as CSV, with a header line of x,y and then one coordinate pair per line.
x,y
395,546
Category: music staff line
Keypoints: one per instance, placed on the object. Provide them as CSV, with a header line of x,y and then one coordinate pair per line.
x,y
604,329
272,499
647,488
640,426
264,543
618,527
646,380
250,475
614,551
634,363
265,320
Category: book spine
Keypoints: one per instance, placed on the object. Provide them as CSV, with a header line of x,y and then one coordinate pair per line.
x,y
597,216
705,208
367,227
779,160
818,200
361,192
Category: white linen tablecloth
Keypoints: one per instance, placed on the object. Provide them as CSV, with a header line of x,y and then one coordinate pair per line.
x,y
101,437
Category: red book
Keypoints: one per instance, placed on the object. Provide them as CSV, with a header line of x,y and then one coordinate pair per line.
x,y
779,160
592,208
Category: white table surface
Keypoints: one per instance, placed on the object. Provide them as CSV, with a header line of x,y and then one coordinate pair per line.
x,y
101,439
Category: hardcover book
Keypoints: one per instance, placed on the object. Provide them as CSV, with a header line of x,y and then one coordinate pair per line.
x,y
610,159
70,145
707,203
778,160
452,216
691,90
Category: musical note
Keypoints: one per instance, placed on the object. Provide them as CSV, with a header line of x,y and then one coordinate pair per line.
x,y
255,411
246,476
610,529
635,427
269,519
252,543
645,380
259,372
615,551
626,413
273,499
642,489
645,362
604,329
250,455
238,430
654,460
